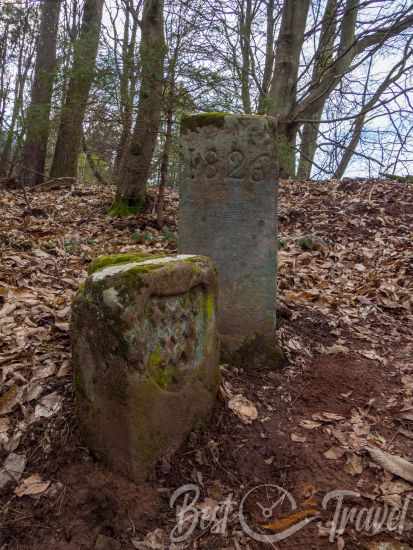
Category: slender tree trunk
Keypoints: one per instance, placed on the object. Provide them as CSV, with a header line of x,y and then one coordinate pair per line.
x,y
23,67
164,167
4,87
245,42
323,59
136,164
82,75
170,106
92,163
351,147
393,75
322,65
37,125
320,89
283,89
127,90
269,57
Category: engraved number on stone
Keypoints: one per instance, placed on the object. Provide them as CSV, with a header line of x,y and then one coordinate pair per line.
x,y
236,160
195,160
211,159
259,168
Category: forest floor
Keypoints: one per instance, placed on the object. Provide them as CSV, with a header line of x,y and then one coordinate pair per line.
x,y
325,421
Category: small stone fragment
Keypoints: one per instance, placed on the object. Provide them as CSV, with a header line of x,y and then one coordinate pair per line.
x,y
243,408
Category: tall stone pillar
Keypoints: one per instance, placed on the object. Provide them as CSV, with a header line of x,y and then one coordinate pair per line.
x,y
228,211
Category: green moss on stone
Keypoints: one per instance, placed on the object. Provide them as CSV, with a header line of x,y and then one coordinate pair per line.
x,y
155,358
123,208
116,259
132,277
164,377
81,289
210,306
190,123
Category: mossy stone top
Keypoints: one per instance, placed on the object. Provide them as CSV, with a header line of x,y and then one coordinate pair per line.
x,y
194,121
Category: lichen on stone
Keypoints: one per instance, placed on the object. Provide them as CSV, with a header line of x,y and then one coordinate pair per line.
x,y
111,298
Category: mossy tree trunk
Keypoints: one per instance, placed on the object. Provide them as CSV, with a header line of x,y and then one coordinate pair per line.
x,y
82,74
38,114
136,163
283,88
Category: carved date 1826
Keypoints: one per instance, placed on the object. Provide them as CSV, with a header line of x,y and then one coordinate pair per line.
x,y
239,166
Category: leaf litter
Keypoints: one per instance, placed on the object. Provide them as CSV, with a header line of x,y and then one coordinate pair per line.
x,y
345,304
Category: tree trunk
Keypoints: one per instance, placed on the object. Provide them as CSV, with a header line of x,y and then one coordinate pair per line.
x,y
164,167
283,89
323,59
4,87
321,88
92,163
351,147
269,58
136,164
394,74
82,75
37,125
245,43
23,67
127,89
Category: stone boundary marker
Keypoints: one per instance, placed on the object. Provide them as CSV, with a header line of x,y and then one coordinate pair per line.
x,y
228,211
145,356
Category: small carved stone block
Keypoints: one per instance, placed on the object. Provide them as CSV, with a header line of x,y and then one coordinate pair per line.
x,y
145,356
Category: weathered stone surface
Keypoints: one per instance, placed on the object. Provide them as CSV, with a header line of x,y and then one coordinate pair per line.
x,y
228,205
145,356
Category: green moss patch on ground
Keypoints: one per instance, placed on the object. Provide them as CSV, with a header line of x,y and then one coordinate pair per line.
x,y
124,208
